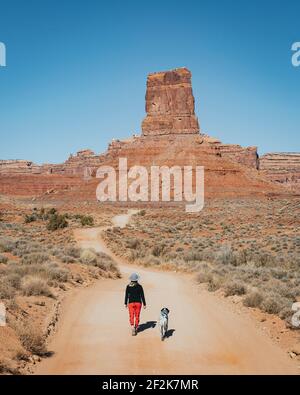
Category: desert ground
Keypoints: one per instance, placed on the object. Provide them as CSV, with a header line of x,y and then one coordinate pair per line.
x,y
228,274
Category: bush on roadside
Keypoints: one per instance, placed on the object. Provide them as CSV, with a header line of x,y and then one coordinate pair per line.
x,y
271,305
214,283
204,277
34,285
73,251
235,288
31,339
88,256
253,299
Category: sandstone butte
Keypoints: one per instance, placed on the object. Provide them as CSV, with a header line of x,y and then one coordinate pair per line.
x,y
170,136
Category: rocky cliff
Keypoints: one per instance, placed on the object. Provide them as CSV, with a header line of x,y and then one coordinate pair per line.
x,y
282,167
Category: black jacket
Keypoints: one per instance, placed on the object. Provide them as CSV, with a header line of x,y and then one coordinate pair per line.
x,y
134,293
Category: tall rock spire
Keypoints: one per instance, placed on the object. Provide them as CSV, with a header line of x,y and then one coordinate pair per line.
x,y
170,104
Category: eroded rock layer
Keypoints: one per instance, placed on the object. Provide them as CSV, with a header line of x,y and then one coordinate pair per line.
x,y
282,167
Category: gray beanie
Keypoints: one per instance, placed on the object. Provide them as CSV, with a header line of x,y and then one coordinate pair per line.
x,y
134,277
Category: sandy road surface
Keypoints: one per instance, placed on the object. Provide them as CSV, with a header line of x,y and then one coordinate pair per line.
x,y
206,337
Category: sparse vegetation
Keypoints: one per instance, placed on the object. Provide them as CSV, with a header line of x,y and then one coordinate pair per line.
x,y
36,266
100,260
86,220
34,285
57,221
31,339
223,249
253,299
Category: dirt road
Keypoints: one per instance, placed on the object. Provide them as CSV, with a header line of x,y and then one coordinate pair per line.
x,y
205,337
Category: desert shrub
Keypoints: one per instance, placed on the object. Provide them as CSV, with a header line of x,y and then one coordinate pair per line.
x,y
132,243
151,260
6,290
142,212
204,277
158,249
240,258
3,259
34,285
262,259
52,211
193,255
214,283
88,256
271,305
235,288
54,272
30,218
105,262
73,251
35,258
42,213
286,313
57,221
289,292
87,220
14,280
66,259
225,255
253,299
6,244
31,339
100,260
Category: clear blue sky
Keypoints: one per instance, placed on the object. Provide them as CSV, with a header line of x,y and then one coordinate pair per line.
x,y
76,71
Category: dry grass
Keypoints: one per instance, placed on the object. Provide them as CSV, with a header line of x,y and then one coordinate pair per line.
x,y
34,285
31,339
245,247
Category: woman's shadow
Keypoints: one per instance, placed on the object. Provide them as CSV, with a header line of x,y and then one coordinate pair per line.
x,y
146,325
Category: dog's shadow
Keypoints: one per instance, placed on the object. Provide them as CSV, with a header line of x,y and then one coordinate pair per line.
x,y
169,333
146,325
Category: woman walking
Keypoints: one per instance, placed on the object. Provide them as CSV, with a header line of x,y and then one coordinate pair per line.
x,y
134,298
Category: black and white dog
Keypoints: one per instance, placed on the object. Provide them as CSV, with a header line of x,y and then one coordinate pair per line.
x,y
164,322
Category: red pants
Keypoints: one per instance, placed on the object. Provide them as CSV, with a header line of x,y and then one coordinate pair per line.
x,y
134,313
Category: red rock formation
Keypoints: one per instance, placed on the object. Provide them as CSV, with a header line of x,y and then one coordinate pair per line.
x,y
170,136
170,104
282,167
246,156
17,166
